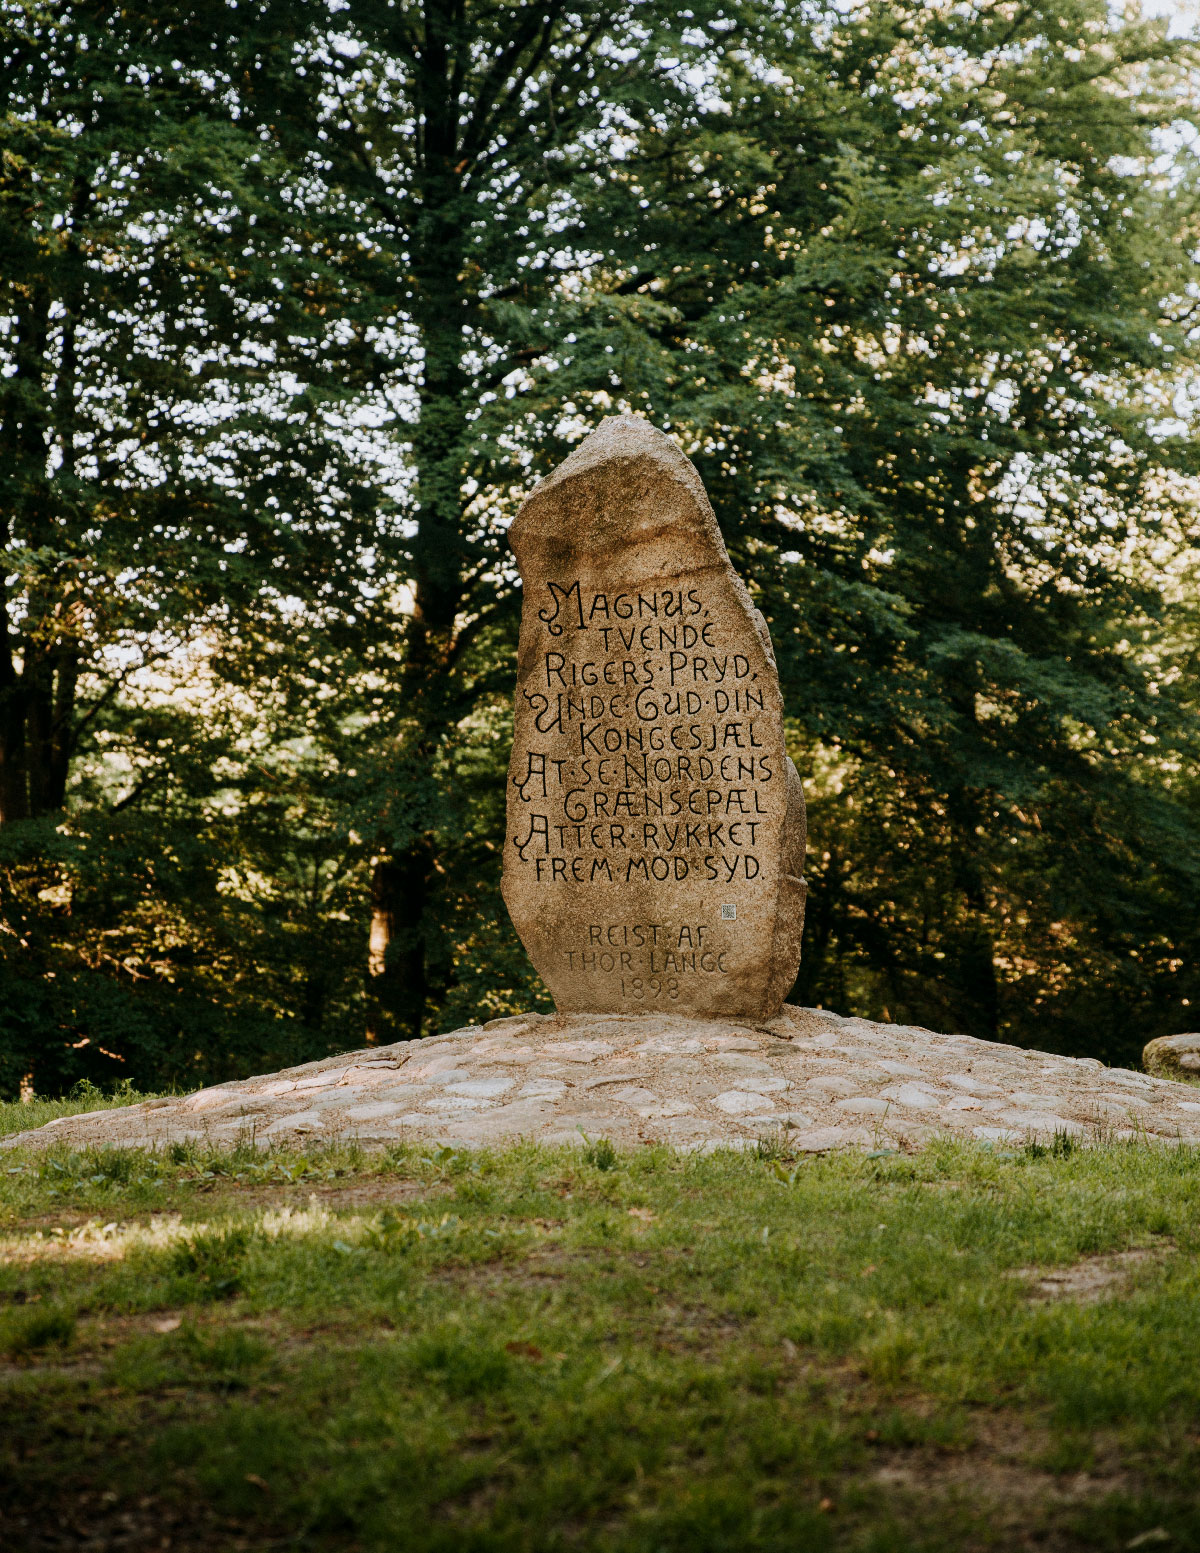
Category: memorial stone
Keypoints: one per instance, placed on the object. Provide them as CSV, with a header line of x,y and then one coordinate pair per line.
x,y
656,827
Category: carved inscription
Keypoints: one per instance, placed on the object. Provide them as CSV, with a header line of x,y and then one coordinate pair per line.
x,y
649,789
650,764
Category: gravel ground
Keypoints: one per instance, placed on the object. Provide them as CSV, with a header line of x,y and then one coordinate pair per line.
x,y
822,1080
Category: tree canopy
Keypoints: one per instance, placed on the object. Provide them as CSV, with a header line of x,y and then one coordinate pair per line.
x,y
297,302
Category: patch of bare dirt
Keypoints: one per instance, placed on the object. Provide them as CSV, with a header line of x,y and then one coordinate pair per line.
x,y
99,1522
999,1464
1092,1279
372,1191
379,1191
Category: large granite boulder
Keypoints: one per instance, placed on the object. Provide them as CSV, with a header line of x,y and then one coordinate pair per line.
x,y
655,823
1173,1056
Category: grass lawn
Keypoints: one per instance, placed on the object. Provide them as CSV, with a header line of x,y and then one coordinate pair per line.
x,y
649,1352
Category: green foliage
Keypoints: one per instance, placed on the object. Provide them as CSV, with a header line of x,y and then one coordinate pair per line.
x,y
913,286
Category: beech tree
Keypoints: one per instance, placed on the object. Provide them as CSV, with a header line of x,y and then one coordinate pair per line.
x,y
153,297
171,475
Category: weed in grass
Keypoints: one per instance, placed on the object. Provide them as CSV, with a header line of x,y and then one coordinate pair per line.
x,y
36,1328
85,1093
888,1165
889,1356
600,1154
247,1160
903,1429
452,1163
96,1167
463,1366
394,1232
229,1360
1061,1146
474,1191
214,1260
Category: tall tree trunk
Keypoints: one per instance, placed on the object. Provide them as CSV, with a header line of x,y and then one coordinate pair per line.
x,y
14,801
51,681
825,900
37,700
402,878
399,895
966,810
56,742
24,416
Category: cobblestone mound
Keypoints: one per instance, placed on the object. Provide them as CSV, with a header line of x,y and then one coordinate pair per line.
x,y
821,1080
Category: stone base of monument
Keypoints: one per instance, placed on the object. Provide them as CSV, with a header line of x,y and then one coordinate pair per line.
x,y
810,1079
